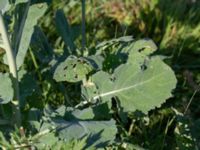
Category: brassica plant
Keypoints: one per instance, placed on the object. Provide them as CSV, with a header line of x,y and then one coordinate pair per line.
x,y
124,75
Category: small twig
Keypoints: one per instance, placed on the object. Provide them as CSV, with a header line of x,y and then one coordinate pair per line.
x,y
131,128
82,104
22,146
190,101
189,77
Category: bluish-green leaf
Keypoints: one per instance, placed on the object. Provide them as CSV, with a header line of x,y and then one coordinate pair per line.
x,y
6,89
99,112
143,83
73,69
100,133
26,17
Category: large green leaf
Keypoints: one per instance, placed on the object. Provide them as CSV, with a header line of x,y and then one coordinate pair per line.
x,y
74,124
26,17
101,133
6,89
143,83
73,69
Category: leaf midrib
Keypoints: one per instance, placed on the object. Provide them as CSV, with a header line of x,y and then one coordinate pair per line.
x,y
126,88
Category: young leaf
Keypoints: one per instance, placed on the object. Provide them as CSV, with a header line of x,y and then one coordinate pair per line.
x,y
6,89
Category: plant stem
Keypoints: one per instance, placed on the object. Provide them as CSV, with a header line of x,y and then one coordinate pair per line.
x,y
190,101
35,64
13,71
83,25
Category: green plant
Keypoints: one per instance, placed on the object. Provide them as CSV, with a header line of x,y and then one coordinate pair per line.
x,y
122,76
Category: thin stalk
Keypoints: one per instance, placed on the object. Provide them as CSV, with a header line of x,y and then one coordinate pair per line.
x,y
13,71
33,59
190,101
35,64
83,26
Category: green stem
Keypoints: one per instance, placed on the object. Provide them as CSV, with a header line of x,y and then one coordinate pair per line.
x,y
33,58
35,64
190,101
83,26
13,71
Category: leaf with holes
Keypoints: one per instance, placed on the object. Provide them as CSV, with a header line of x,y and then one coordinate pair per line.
x,y
143,83
73,69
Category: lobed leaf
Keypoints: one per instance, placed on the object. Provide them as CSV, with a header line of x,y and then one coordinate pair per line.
x,y
143,83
